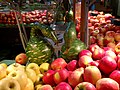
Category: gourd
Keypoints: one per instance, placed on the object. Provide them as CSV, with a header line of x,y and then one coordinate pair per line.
x,y
72,45
39,49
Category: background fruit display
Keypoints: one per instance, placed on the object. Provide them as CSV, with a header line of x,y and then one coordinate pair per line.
x,y
86,73
102,31
28,17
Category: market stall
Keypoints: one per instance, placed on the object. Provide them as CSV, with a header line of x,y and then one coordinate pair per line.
x,y
59,46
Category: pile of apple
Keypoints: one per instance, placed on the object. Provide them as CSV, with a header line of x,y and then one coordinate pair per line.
x,y
42,16
96,69
21,77
8,17
101,29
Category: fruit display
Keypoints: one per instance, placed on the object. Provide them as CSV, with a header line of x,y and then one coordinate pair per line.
x,y
85,73
96,67
102,30
28,17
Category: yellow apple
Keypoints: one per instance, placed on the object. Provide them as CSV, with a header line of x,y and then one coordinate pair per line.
x,y
39,79
9,84
44,67
15,66
20,76
29,85
4,64
3,72
33,66
31,74
38,86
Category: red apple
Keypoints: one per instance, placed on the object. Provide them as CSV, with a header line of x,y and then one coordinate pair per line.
x,y
94,20
118,31
85,86
63,86
100,40
91,29
92,47
102,21
44,21
96,24
110,33
107,27
108,48
107,64
109,36
45,87
94,63
117,36
118,60
85,52
72,65
21,58
111,54
89,24
111,27
107,84
115,75
60,75
93,40
111,44
98,53
77,28
95,32
78,35
108,39
118,56
108,16
103,29
116,28
75,77
84,61
92,74
117,48
58,63
48,77
100,16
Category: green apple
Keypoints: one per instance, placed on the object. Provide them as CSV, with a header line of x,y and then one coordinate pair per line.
x,y
3,72
31,74
9,84
33,66
29,85
44,67
15,66
20,76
